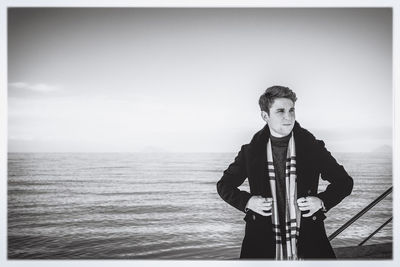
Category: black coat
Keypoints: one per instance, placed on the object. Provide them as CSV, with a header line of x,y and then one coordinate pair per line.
x,y
312,161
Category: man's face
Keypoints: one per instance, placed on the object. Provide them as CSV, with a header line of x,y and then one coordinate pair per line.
x,y
281,117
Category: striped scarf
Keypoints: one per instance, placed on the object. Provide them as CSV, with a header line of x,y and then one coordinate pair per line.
x,y
292,212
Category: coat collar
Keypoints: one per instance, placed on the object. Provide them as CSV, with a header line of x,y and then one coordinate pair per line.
x,y
259,140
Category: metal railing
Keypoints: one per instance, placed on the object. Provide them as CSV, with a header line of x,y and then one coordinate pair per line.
x,y
377,230
358,215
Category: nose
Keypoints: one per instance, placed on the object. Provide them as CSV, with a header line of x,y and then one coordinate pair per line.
x,y
288,116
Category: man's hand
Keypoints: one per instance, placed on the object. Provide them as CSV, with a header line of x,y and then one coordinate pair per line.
x,y
312,204
260,205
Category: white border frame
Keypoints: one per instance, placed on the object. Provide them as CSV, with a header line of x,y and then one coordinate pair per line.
x,y
395,5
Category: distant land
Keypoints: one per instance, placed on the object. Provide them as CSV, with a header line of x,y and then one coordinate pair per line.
x,y
383,149
63,147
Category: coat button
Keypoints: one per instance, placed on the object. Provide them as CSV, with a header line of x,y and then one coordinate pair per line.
x,y
254,217
314,218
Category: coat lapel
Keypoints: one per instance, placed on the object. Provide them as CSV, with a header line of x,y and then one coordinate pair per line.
x,y
301,154
259,162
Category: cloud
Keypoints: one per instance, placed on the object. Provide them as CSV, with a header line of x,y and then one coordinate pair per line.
x,y
23,88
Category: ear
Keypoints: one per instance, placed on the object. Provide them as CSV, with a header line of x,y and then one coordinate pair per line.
x,y
265,116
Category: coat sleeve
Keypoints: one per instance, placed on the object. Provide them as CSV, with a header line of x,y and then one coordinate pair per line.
x,y
232,178
341,184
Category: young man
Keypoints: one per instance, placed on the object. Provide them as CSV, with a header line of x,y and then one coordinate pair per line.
x,y
283,163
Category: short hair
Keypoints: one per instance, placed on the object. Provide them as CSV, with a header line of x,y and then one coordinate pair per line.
x,y
268,97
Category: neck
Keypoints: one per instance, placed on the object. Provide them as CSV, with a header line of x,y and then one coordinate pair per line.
x,y
277,135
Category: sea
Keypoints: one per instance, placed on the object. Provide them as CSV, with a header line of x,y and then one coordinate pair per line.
x,y
157,205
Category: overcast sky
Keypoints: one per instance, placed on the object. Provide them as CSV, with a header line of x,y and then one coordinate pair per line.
x,y
188,80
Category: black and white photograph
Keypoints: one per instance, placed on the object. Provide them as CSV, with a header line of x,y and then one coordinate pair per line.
x,y
200,133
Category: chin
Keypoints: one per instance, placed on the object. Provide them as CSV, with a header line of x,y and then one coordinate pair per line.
x,y
286,131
